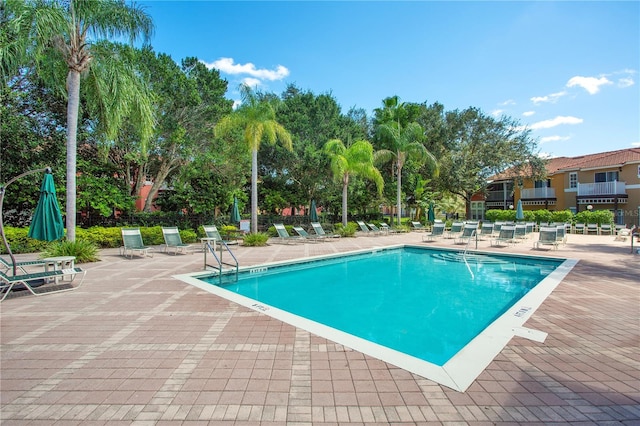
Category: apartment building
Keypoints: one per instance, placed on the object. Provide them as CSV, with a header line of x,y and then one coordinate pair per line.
x,y
606,180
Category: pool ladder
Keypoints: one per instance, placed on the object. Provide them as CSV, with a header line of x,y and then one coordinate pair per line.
x,y
219,262
464,253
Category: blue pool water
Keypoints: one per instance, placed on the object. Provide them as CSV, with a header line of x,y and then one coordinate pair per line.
x,y
422,302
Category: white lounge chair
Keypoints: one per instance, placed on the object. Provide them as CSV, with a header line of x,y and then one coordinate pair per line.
x,y
319,230
468,232
304,234
132,243
592,228
605,229
417,226
173,240
31,281
437,231
486,231
375,229
506,236
283,235
548,235
456,229
6,266
365,229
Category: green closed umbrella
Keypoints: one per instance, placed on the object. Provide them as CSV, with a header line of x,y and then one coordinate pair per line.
x,y
46,224
235,212
313,212
431,214
519,212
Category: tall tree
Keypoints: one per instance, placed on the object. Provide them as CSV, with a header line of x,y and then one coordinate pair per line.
x,y
258,119
479,146
73,32
406,143
355,160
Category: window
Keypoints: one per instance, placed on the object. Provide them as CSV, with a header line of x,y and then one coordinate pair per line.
x,y
542,183
573,180
606,177
477,210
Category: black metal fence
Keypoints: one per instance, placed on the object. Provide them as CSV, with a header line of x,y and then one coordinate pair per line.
x,y
193,221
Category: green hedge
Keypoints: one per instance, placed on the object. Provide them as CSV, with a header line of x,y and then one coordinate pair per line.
x,y
20,243
98,235
537,216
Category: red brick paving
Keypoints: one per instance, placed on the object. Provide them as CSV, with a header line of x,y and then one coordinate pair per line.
x,y
135,346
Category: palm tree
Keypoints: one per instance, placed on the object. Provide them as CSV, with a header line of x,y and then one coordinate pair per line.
x,y
406,144
73,32
357,159
258,119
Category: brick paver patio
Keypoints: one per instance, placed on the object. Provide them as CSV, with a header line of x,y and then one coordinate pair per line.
x,y
134,345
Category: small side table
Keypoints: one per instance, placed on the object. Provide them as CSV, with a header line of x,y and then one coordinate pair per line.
x,y
210,240
59,263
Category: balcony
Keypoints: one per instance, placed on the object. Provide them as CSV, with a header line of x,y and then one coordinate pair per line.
x,y
601,189
498,196
538,193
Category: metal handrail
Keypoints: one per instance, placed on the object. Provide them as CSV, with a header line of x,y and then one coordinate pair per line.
x,y
464,254
219,260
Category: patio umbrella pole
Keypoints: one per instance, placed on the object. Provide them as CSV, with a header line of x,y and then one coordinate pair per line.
x,y
3,189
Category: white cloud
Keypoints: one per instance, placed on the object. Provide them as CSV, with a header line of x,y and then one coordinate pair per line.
x,y
552,98
554,139
559,120
634,144
528,113
508,102
236,104
228,66
626,82
590,84
251,82
544,155
497,112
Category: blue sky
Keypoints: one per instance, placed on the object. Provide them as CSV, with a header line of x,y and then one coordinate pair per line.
x,y
567,70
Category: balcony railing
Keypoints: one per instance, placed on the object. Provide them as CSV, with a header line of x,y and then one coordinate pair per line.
x,y
533,193
499,196
601,188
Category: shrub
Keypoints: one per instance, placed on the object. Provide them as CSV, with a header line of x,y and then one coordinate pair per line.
x,y
102,237
348,231
255,240
596,216
152,236
562,216
188,236
542,216
20,243
496,215
84,251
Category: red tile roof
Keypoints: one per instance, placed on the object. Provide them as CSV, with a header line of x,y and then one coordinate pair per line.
x,y
590,161
599,160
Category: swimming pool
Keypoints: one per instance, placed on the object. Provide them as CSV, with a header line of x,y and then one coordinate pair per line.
x,y
429,311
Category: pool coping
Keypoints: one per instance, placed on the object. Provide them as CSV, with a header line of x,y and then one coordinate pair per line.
x,y
463,368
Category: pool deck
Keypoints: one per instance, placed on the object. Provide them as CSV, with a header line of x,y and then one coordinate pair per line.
x,y
134,345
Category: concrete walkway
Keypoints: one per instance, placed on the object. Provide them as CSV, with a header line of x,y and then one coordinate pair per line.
x,y
133,345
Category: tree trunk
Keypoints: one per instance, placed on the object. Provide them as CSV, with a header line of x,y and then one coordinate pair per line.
x,y
158,181
345,187
398,195
73,89
254,191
